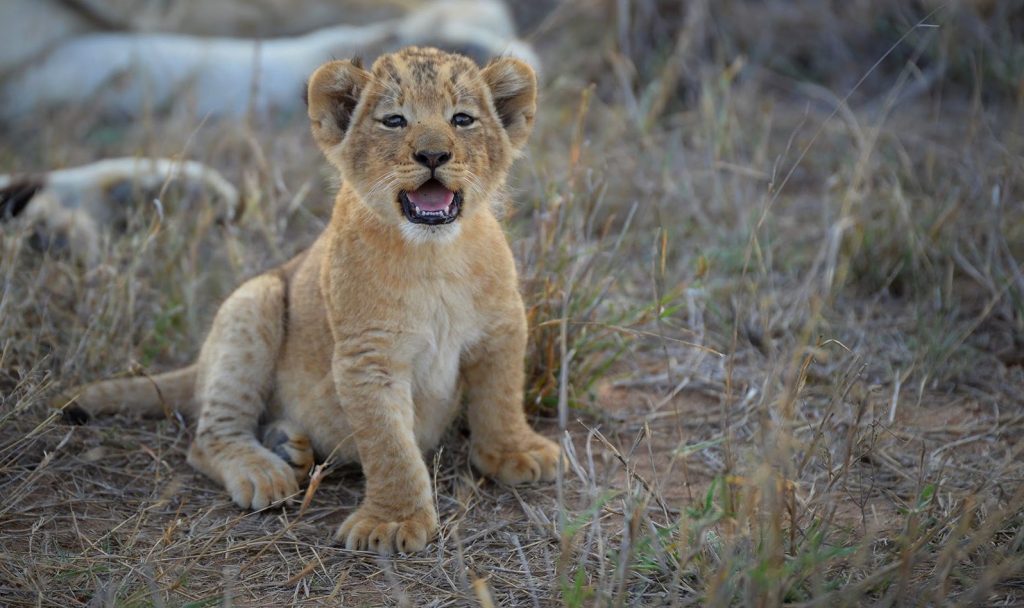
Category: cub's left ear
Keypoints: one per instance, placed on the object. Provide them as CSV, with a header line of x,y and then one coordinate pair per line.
x,y
513,88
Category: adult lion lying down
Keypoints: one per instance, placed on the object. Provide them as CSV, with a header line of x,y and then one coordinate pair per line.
x,y
362,345
132,73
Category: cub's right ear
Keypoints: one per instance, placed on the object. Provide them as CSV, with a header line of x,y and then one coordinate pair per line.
x,y
332,95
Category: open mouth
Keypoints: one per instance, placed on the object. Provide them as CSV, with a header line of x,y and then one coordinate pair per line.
x,y
431,204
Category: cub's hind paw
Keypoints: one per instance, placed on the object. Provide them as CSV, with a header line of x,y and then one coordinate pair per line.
x,y
286,441
254,476
367,530
257,485
535,459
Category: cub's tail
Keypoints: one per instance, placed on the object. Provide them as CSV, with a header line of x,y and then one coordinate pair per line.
x,y
147,395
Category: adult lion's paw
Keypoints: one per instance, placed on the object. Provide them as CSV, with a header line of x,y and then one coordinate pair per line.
x,y
536,459
369,530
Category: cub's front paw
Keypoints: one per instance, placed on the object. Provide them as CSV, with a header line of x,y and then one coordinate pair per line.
x,y
370,529
536,458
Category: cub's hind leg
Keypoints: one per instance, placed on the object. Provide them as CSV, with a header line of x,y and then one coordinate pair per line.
x,y
234,380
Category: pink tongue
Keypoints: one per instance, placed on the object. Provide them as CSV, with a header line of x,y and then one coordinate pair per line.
x,y
431,196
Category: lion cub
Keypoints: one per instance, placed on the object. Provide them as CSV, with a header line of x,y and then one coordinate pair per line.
x,y
362,346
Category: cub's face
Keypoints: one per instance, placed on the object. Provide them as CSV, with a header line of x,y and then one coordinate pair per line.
x,y
425,138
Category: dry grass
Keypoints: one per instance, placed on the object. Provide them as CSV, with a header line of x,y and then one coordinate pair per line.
x,y
780,330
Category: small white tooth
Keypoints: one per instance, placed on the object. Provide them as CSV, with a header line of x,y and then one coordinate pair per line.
x,y
416,209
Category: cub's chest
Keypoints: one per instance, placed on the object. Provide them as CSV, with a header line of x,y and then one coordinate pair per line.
x,y
445,324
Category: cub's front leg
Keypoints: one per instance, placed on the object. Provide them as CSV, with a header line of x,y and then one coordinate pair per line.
x,y
503,446
374,386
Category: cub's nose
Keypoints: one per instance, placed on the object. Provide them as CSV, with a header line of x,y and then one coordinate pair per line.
x,y
431,159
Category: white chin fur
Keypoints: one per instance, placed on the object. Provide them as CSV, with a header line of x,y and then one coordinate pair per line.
x,y
421,234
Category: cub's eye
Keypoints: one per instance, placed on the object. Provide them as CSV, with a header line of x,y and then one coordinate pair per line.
x,y
462,120
393,121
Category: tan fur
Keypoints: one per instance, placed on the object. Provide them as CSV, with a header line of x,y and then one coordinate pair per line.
x,y
364,343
